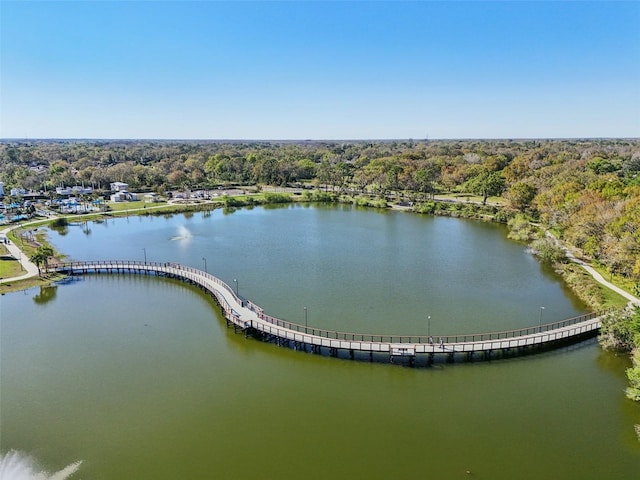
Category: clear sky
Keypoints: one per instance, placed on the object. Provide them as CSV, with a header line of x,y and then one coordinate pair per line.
x,y
319,70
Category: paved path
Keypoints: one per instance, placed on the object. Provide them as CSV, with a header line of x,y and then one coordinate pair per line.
x,y
592,271
30,269
599,278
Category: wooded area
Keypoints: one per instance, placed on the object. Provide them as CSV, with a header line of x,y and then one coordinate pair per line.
x,y
586,191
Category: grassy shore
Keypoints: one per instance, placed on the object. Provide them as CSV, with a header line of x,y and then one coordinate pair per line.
x,y
598,297
38,281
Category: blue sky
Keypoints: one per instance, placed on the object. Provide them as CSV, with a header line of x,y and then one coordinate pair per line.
x,y
319,70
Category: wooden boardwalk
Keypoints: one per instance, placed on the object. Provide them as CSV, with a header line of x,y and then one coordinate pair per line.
x,y
244,315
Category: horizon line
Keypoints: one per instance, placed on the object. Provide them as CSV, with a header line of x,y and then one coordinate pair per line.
x,y
305,140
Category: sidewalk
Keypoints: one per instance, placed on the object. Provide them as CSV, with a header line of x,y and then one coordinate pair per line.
x,y
600,279
592,271
31,270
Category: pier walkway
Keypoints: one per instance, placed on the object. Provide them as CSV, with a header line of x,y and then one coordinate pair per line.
x,y
244,315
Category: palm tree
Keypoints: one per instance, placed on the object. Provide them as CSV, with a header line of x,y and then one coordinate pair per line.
x,y
42,256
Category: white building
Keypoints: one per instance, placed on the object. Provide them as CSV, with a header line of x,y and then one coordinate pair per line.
x,y
151,198
119,187
81,190
123,197
75,190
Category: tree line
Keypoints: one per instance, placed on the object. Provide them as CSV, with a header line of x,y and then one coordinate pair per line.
x,y
586,191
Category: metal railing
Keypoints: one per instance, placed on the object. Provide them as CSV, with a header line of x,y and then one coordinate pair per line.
x,y
203,278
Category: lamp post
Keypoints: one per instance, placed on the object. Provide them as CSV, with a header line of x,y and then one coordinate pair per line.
x,y
205,265
429,325
305,319
540,319
235,280
145,255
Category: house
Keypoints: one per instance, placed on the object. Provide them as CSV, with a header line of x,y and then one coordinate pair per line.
x,y
122,193
119,187
151,198
75,190
124,196
81,190
63,191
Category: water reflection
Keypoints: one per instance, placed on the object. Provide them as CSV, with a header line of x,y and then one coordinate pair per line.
x,y
61,230
228,210
85,228
46,294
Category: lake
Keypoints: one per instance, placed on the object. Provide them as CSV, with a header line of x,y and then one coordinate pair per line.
x,y
138,377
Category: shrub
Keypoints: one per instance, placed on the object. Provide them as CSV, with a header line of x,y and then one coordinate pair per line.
x,y
620,329
633,374
427,207
233,202
276,198
318,196
502,216
521,229
549,250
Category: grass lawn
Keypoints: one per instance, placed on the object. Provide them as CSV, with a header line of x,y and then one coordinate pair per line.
x,y
611,298
27,248
593,293
119,206
466,197
9,267
29,283
619,281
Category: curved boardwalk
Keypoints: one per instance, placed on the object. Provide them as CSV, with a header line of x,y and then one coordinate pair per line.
x,y
250,318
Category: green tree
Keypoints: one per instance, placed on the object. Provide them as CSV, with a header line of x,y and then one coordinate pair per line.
x,y
345,172
485,184
305,169
41,257
326,173
520,195
393,175
425,178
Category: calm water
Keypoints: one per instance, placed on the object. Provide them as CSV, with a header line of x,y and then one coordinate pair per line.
x,y
140,378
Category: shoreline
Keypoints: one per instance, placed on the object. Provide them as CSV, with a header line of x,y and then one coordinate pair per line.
x,y
31,270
